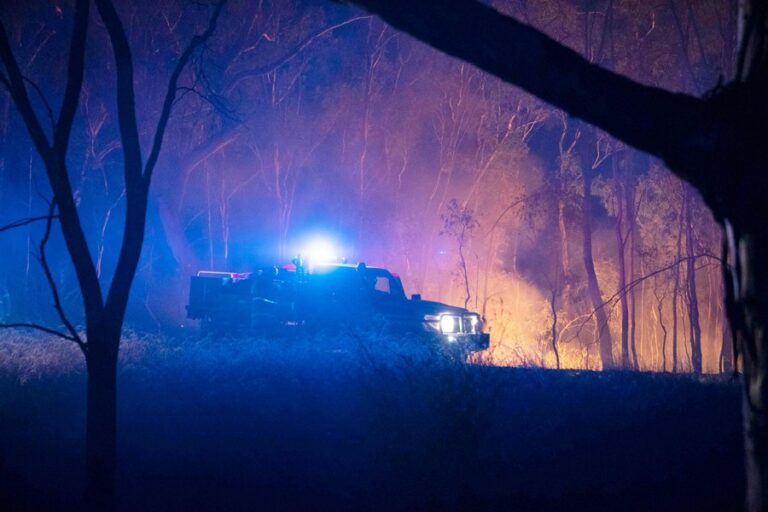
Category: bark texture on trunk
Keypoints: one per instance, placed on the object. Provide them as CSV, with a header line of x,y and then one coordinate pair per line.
x,y
747,307
726,349
747,236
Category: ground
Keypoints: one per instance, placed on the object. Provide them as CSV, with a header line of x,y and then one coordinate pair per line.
x,y
363,422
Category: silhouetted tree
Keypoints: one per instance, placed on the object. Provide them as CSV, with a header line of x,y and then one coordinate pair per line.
x,y
694,325
621,214
700,139
104,315
602,329
458,223
676,289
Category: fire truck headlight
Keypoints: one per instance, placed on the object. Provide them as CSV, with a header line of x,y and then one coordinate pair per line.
x,y
474,322
450,324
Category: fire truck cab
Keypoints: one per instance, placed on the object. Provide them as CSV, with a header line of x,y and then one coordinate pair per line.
x,y
326,296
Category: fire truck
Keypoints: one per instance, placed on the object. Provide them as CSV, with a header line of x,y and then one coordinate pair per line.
x,y
326,297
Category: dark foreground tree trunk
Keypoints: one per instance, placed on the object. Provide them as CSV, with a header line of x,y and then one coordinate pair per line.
x,y
748,310
726,348
747,241
101,426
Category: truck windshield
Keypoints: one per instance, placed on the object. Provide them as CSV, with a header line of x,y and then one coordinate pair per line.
x,y
382,283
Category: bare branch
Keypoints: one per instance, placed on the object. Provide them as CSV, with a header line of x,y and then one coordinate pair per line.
x,y
640,279
506,210
39,328
170,95
23,222
191,90
73,335
54,155
629,286
14,81
47,105
209,94
519,54
292,53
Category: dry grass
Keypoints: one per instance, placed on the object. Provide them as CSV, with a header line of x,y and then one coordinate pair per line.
x,y
26,355
364,421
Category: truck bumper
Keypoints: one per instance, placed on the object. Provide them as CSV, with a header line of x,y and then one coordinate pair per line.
x,y
466,342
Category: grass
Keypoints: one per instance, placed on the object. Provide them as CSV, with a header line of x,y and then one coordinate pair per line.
x,y
364,422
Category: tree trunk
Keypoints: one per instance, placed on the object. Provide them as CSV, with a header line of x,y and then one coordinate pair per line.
x,y
747,291
676,288
619,193
101,423
565,263
747,306
464,273
664,338
726,349
693,302
632,234
553,307
602,330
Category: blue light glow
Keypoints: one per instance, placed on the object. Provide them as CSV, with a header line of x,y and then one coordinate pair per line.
x,y
321,249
